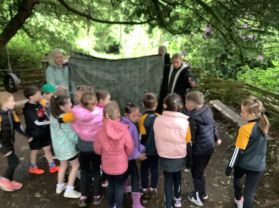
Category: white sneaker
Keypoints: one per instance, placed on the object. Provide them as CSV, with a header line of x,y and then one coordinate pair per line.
x,y
177,202
239,203
72,194
60,189
194,197
187,170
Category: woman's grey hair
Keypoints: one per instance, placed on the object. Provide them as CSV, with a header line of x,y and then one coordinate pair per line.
x,y
162,50
53,54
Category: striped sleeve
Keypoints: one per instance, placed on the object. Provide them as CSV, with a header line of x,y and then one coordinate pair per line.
x,y
43,102
188,135
142,128
243,136
66,117
15,117
242,140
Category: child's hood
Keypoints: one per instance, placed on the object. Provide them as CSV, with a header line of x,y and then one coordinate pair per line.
x,y
203,115
115,129
126,121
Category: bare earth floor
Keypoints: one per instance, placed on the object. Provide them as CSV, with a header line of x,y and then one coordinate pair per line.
x,y
39,191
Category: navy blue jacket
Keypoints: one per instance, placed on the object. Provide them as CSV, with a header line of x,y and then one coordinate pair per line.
x,y
9,122
203,131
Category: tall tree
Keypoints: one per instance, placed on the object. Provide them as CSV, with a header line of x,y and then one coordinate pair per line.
x,y
237,23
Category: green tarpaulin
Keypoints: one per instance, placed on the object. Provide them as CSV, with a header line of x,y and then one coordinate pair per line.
x,y
125,79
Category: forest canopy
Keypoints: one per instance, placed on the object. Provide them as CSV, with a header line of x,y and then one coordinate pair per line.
x,y
222,37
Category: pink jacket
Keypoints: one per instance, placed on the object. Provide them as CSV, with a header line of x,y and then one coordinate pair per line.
x,y
114,143
170,134
87,123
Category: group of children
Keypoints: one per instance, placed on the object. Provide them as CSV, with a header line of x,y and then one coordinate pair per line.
x,y
92,137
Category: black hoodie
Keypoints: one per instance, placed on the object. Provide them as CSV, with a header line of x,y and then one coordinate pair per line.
x,y
36,120
203,131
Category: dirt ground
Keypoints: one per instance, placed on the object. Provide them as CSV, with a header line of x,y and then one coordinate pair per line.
x,y
39,191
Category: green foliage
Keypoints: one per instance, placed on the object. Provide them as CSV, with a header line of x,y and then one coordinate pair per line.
x,y
264,78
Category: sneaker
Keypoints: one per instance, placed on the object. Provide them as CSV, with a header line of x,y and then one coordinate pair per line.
x,y
105,184
97,199
72,194
205,196
54,169
177,202
60,189
187,170
16,185
82,202
6,185
36,171
239,203
153,193
195,198
145,195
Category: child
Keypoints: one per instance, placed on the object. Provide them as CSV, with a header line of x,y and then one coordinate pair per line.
x,y
103,98
114,143
170,131
64,141
88,119
38,130
80,90
132,116
8,123
47,91
147,139
249,157
204,136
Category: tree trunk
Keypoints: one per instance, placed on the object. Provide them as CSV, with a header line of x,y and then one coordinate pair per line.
x,y
23,13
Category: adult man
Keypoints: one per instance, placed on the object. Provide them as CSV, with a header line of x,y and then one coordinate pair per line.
x,y
177,78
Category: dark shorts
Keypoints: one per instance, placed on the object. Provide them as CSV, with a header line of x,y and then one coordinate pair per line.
x,y
73,158
39,143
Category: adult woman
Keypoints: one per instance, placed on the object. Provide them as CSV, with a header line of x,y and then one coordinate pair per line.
x,y
57,73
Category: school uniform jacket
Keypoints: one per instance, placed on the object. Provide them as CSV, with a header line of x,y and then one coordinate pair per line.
x,y
147,133
250,148
9,122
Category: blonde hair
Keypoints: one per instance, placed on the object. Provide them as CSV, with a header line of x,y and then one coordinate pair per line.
x,y
253,105
85,88
196,97
53,54
88,99
4,96
162,50
111,109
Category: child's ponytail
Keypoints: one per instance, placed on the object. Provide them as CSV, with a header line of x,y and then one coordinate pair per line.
x,y
255,106
56,101
264,124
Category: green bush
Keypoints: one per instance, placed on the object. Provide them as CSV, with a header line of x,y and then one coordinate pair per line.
x,y
264,78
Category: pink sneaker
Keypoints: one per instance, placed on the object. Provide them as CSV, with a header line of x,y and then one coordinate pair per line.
x,y
6,185
16,185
